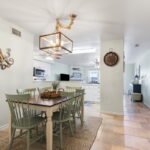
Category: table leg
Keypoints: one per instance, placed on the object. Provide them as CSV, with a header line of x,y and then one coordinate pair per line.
x,y
10,128
49,131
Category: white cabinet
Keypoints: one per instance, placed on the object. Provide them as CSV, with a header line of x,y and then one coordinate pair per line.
x,y
92,92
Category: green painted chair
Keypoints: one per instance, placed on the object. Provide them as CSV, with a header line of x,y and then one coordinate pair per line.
x,y
72,88
80,91
62,117
23,118
31,91
66,94
76,111
78,106
79,103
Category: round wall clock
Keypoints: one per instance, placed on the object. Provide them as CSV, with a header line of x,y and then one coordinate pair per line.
x,y
111,58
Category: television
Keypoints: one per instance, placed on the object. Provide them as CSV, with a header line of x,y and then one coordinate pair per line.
x,y
64,77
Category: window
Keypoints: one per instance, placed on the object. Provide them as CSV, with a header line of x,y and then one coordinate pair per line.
x,y
93,76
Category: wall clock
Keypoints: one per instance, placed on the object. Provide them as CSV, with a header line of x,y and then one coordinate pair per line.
x,y
111,58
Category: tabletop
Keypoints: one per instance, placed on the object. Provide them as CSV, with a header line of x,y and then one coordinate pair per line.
x,y
37,100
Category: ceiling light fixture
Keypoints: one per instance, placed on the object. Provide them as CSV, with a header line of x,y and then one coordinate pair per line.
x,y
57,44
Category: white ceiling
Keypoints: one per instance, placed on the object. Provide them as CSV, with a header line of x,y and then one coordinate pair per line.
x,y
97,19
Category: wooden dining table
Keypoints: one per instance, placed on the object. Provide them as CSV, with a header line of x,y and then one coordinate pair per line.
x,y
49,106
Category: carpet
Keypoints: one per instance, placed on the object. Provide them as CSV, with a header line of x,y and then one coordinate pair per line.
x,y
81,140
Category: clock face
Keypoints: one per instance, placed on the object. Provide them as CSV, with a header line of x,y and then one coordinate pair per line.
x,y
111,59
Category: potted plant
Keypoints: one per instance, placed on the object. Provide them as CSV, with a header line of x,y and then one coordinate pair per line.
x,y
55,85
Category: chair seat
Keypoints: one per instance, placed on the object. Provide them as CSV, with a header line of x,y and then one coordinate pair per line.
x,y
27,123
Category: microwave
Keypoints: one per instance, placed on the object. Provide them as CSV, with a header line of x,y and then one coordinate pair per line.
x,y
38,72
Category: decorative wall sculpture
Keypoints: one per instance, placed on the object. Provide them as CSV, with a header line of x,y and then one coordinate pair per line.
x,y
111,58
5,60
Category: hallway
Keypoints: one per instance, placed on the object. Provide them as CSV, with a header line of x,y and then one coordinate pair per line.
x,y
131,132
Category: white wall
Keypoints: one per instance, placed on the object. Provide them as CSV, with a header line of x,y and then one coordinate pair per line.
x,y
128,76
145,74
19,75
112,79
57,69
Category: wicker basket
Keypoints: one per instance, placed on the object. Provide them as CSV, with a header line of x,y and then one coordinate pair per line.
x,y
50,94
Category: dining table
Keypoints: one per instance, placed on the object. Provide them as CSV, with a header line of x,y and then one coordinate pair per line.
x,y
49,106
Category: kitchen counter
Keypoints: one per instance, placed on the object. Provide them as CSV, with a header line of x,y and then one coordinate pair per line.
x,y
92,92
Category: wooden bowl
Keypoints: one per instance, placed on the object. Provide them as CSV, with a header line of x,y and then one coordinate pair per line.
x,y
50,94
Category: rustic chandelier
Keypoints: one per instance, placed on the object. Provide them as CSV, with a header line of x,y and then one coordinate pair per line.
x,y
57,44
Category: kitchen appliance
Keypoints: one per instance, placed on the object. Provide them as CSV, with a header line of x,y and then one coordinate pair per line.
x,y
38,72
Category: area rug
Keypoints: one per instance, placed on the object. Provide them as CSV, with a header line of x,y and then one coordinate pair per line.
x,y
81,140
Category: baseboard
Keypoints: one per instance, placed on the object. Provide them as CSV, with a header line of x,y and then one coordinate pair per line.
x,y
146,104
4,127
112,113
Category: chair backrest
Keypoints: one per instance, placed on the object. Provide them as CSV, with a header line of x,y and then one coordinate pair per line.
x,y
72,88
66,110
31,91
21,113
66,94
80,91
78,102
72,106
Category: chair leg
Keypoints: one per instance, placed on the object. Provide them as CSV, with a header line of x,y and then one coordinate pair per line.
x,y
61,136
70,127
74,121
79,115
21,132
28,139
12,138
37,130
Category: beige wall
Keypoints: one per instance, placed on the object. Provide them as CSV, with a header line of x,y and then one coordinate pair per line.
x,y
112,79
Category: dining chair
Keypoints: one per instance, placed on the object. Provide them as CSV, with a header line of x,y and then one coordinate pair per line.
x,y
72,88
80,91
78,108
61,117
31,91
79,103
76,111
23,118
